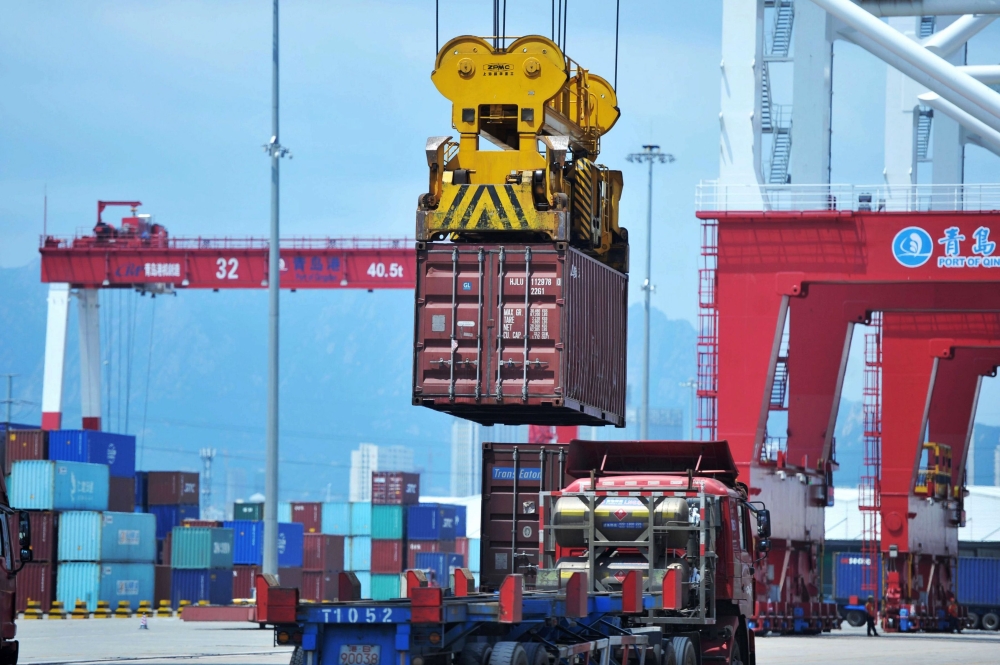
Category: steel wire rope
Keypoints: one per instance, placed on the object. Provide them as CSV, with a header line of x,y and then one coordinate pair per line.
x,y
118,386
618,7
503,27
129,353
565,13
149,364
106,352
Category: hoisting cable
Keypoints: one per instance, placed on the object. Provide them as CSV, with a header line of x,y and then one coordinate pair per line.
x,y
553,20
149,364
503,26
437,25
565,13
131,346
618,7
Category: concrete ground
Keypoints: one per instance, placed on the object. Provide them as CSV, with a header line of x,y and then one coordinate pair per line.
x,y
172,640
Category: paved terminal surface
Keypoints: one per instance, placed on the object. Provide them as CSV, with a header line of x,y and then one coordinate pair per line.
x,y
173,641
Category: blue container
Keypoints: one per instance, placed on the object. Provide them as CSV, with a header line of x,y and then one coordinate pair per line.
x,y
167,517
284,511
141,493
214,586
290,544
46,485
848,568
361,518
365,578
336,519
248,542
440,564
979,582
93,447
107,537
132,582
460,521
431,521
474,554
78,581
361,553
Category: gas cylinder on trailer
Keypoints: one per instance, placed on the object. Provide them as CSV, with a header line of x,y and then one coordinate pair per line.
x,y
611,570
620,518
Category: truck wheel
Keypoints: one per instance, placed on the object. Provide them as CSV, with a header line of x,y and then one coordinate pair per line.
x,y
475,653
973,620
298,657
510,653
855,618
991,621
668,656
684,651
735,658
536,654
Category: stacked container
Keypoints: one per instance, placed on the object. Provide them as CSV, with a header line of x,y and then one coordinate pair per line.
x,y
252,512
23,444
388,539
173,497
106,556
336,519
248,553
35,580
322,561
117,451
309,515
202,562
47,485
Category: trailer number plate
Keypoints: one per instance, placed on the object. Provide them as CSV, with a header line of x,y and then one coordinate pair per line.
x,y
360,654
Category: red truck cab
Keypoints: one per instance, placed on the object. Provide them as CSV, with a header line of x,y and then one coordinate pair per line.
x,y
14,553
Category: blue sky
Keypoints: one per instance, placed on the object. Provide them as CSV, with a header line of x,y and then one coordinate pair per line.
x,y
169,103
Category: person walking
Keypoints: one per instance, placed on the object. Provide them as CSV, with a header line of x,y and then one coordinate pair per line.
x,y
870,616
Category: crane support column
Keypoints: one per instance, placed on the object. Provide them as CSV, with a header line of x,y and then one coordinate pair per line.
x,y
55,356
90,357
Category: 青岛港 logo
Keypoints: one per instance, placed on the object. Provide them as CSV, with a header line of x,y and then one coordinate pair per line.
x,y
912,247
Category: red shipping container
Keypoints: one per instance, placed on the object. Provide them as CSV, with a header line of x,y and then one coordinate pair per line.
x,y
243,581
172,488
414,547
35,582
393,488
497,352
24,444
43,535
162,583
163,549
319,586
462,547
121,494
309,515
387,556
290,578
322,552
201,523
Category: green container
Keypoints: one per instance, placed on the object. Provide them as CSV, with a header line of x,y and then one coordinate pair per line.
x,y
385,587
201,547
389,522
253,512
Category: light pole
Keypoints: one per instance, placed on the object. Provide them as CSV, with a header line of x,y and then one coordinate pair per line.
x,y
690,384
276,151
650,155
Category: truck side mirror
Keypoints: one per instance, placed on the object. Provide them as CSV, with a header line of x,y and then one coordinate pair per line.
x,y
764,545
24,536
764,524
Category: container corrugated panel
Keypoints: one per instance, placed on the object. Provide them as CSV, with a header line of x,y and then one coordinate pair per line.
x,y
172,488
361,553
395,488
284,511
243,581
323,552
388,522
121,494
361,518
161,587
385,587
460,521
34,582
213,586
290,542
337,518
475,552
496,516
128,537
27,444
388,556
319,586
309,515
78,581
556,356
348,548
95,447
415,547
848,569
365,578
132,582
431,521
141,494
80,536
979,581
440,564
46,485
253,512
43,535
194,548
290,577
167,517
248,539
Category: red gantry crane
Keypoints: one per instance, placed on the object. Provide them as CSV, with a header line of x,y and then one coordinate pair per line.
x,y
140,254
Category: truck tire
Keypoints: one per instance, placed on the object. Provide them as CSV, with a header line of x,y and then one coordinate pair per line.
x,y
991,621
475,653
735,657
855,618
684,651
298,657
667,655
508,653
536,654
973,620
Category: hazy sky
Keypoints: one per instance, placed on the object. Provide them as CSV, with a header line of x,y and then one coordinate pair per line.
x,y
169,103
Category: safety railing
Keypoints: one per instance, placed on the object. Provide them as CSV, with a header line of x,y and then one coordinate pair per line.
x,y
131,242
711,196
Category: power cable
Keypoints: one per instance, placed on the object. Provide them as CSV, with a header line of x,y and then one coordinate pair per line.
x,y
149,365
618,7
